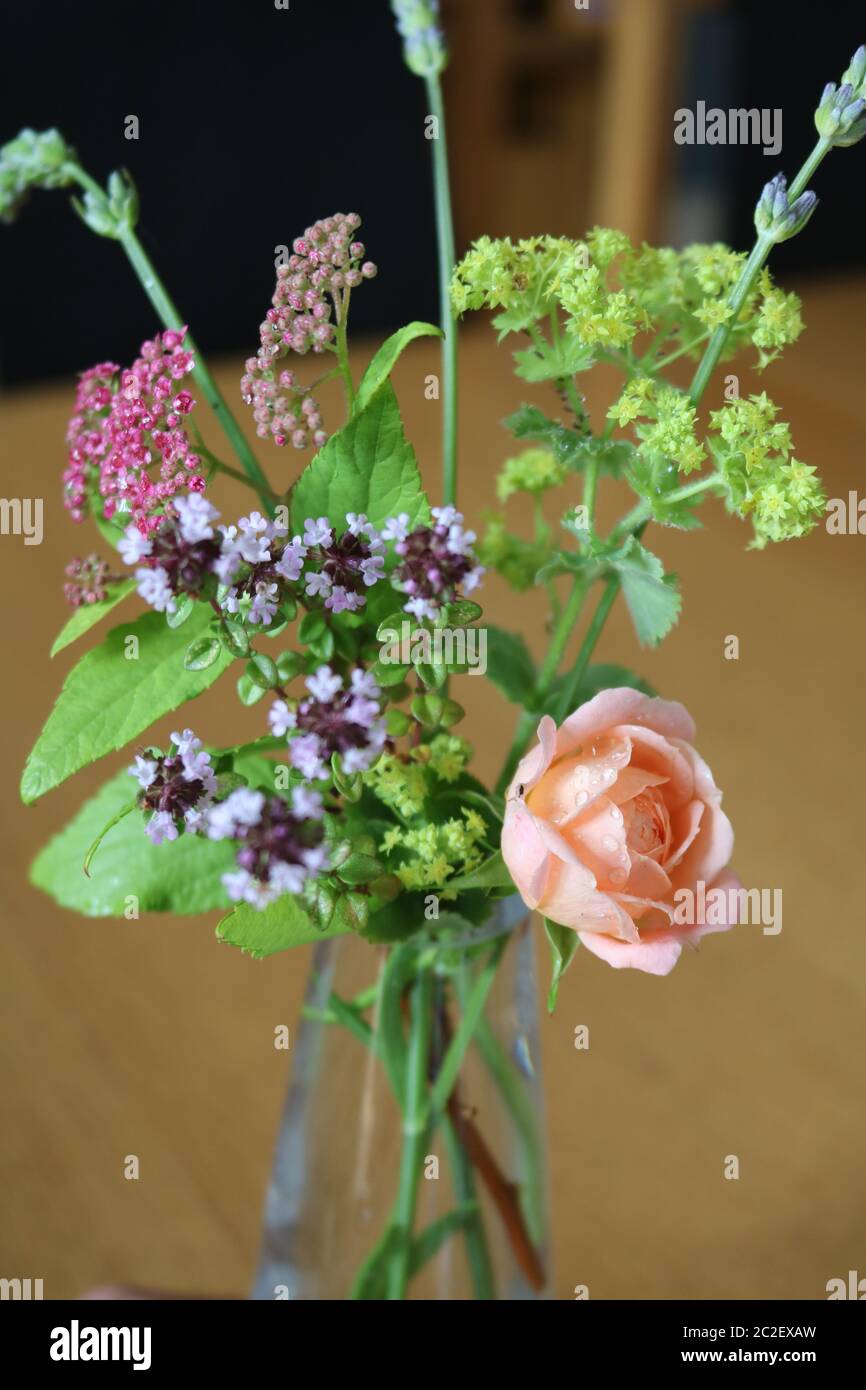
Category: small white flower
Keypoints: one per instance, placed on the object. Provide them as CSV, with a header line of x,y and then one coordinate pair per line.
x,y
286,878
315,859
318,532
364,683
306,804
264,604
160,827
317,585
154,587
373,569
252,543
195,514
243,807
447,516
231,602
323,685
145,769
134,546
281,718
291,562
396,528
186,742
421,608
305,755
470,581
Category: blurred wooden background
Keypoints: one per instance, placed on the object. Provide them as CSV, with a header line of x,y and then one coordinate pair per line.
x,y
149,1038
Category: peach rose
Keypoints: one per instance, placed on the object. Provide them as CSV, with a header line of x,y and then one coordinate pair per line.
x,y
608,818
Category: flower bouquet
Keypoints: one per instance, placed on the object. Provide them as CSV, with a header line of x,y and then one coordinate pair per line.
x,y
345,605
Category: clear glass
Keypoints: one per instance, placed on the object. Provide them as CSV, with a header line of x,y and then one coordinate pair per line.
x,y
344,1162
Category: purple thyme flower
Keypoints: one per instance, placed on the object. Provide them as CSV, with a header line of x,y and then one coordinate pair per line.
x,y
334,719
280,843
435,561
176,787
340,569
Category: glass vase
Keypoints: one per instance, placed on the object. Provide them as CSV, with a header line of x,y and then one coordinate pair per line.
x,y
410,1159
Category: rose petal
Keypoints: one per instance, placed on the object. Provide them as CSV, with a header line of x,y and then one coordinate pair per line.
x,y
654,753
622,705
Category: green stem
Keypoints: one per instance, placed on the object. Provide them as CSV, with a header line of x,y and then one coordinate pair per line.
x,y
342,346
758,255
569,692
415,1123
590,483
472,1011
447,321
520,1106
219,466
529,718
678,352
642,512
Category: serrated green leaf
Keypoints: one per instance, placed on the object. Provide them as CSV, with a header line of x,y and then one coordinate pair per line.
x,y
89,614
382,365
652,596
546,361
564,942
182,876
276,928
367,466
509,664
107,699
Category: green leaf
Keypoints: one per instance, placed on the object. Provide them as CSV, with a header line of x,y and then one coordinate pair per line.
x,y
547,361
249,693
108,699
177,616
202,653
368,466
112,531
652,596
564,941
89,614
566,444
182,876
654,477
461,613
235,637
382,365
277,927
491,874
262,671
509,664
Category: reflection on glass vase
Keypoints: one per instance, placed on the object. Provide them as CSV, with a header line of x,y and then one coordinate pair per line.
x,y
410,1160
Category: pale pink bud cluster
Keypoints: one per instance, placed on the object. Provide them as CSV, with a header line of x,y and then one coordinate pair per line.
x,y
326,265
127,439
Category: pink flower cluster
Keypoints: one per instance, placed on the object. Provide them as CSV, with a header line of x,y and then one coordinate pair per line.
x,y
127,438
326,265
87,580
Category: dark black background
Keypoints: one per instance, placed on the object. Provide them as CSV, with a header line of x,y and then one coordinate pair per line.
x,y
255,121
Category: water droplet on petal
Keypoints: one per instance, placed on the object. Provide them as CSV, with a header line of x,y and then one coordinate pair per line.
x,y
610,843
618,875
